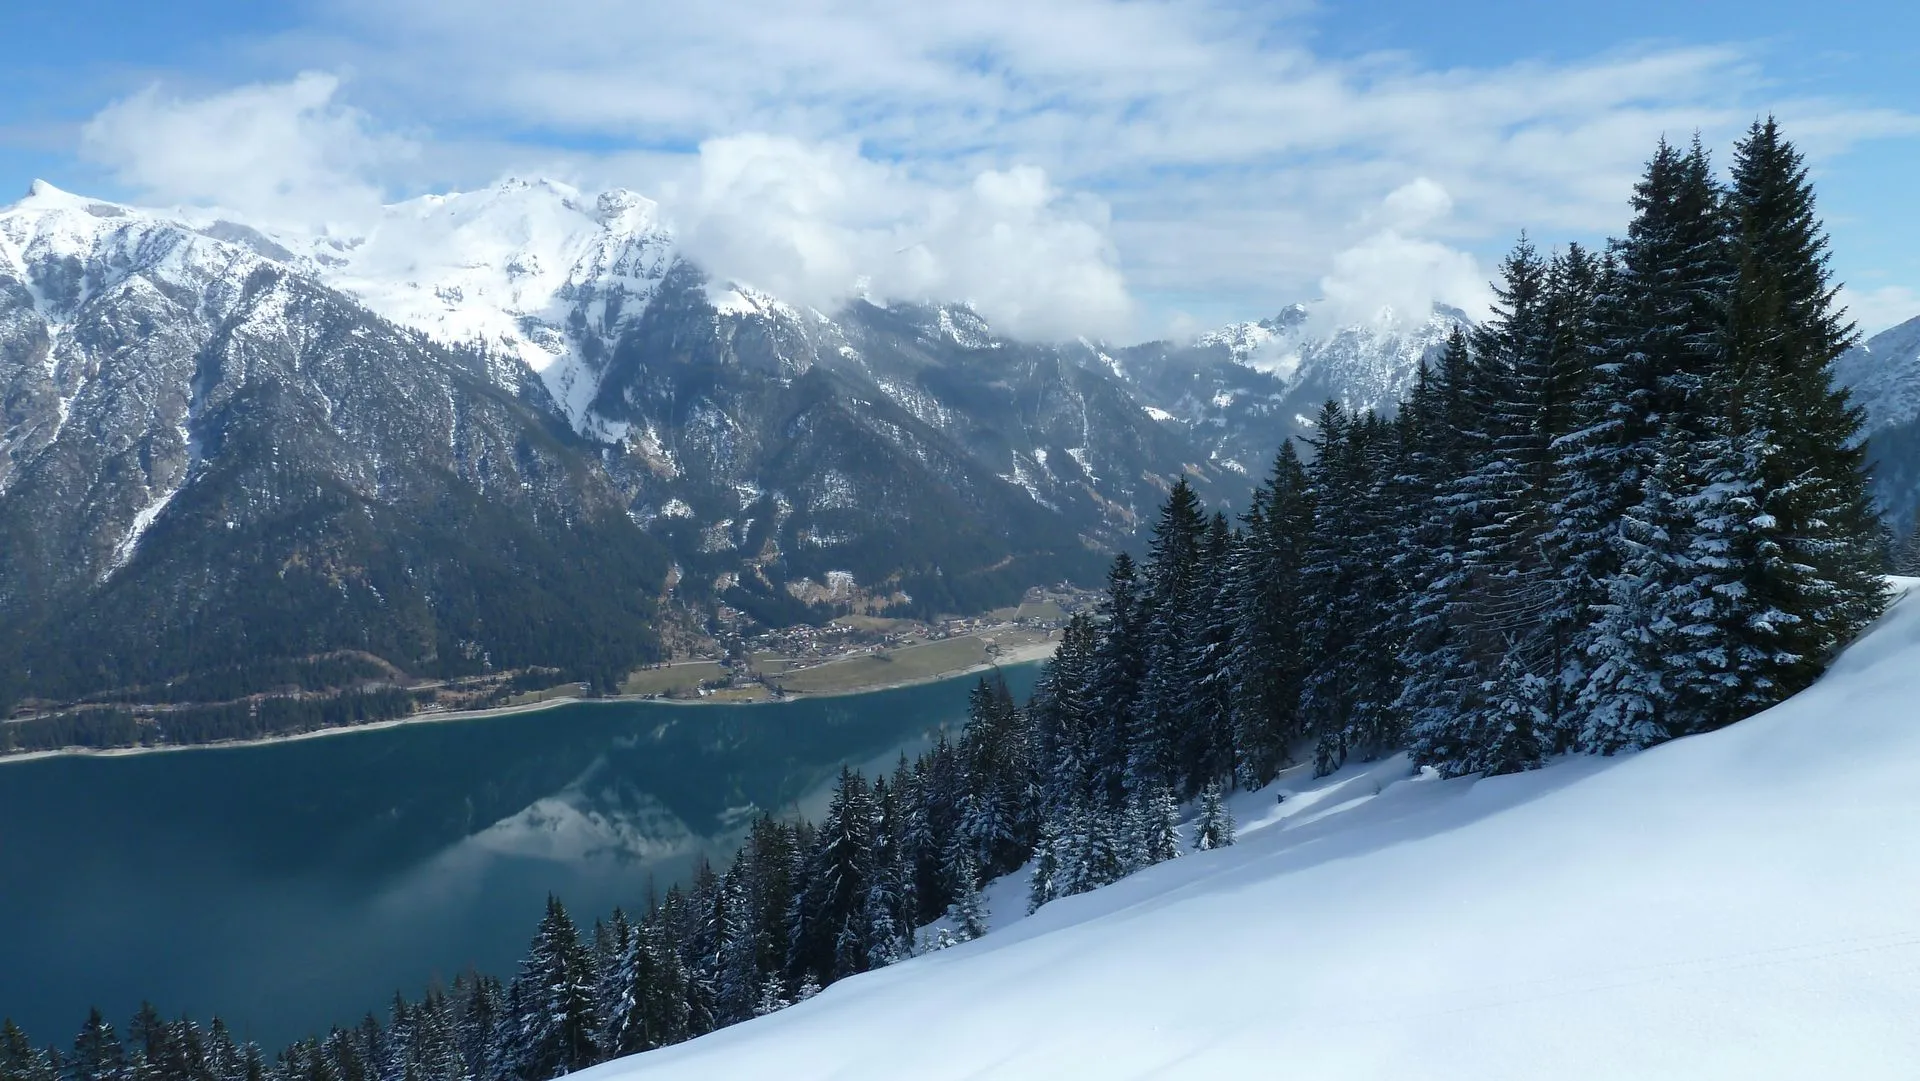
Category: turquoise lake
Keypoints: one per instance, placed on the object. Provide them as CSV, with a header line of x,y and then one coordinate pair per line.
x,y
291,886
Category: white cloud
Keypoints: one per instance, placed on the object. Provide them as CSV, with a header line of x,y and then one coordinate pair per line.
x,y
1235,167
815,224
1396,274
282,153
1875,310
1415,204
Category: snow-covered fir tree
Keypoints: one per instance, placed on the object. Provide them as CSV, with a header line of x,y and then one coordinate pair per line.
x,y
1213,828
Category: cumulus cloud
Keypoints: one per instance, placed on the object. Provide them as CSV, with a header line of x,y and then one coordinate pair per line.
x,y
282,153
1394,273
816,224
1234,157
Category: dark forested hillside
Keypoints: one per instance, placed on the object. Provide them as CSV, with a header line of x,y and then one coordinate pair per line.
x,y
300,478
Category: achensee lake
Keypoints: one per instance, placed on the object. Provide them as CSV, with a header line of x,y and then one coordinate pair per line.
x,y
290,886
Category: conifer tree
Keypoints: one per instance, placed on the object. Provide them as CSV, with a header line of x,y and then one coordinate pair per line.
x,y
1203,737
968,913
1266,660
1628,700
889,931
1348,591
225,1059
1172,596
1441,689
772,997
1906,551
830,941
552,1025
1510,627
1061,724
1119,666
1656,398
1214,827
1153,827
1814,521
477,1003
98,1054
19,1059
1328,575
1045,882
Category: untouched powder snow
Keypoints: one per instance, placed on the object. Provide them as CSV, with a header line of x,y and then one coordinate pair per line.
x,y
1744,904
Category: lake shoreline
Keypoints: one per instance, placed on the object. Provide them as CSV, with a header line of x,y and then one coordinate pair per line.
x,y
1037,651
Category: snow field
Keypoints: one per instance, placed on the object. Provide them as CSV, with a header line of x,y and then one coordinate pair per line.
x,y
1740,904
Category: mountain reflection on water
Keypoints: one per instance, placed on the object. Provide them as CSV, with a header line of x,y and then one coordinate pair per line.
x,y
295,885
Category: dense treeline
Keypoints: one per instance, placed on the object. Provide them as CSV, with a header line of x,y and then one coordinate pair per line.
x,y
257,718
97,728
1630,507
239,681
460,587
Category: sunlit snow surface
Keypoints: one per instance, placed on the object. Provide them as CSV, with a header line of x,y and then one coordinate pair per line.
x,y
1744,904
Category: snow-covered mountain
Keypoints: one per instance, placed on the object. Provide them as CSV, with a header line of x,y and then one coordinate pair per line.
x,y
543,352
1243,388
1883,374
534,270
211,461
1742,904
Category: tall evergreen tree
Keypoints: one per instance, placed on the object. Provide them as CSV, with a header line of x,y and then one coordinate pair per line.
x,y
1172,595
1120,663
1814,522
1266,663
830,939
1203,739
552,1024
1441,687
1656,396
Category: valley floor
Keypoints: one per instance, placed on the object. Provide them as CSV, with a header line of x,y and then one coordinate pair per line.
x,y
1024,653
1743,904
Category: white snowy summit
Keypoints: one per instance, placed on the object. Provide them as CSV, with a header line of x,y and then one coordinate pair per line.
x,y
532,269
1743,904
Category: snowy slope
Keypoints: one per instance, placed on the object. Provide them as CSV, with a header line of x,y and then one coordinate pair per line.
x,y
1744,904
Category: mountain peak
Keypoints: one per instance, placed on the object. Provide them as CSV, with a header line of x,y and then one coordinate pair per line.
x,y
42,195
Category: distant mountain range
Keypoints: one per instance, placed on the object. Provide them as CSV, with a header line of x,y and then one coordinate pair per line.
x,y
504,427
1884,374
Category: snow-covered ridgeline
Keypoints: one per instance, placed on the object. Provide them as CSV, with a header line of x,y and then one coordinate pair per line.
x,y
532,270
1742,904
1884,375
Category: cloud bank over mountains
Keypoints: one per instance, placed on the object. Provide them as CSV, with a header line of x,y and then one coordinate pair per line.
x,y
1082,167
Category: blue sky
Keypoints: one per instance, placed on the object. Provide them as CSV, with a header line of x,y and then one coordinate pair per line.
x,y
1171,164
